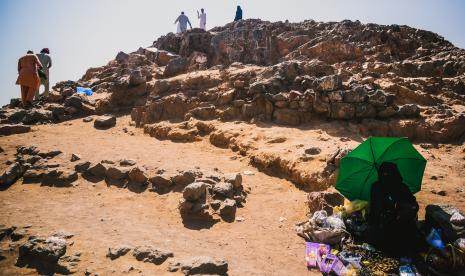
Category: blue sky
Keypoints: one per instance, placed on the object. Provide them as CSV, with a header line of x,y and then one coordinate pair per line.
x,y
89,33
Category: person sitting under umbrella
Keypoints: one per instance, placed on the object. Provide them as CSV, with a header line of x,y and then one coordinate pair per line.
x,y
393,214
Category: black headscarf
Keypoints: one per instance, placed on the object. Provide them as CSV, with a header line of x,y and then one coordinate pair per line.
x,y
388,174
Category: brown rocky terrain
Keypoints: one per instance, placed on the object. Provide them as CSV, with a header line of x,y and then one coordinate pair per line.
x,y
211,142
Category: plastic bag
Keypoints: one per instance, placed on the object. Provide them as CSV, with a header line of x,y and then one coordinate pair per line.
x,y
460,244
434,239
319,217
334,222
84,90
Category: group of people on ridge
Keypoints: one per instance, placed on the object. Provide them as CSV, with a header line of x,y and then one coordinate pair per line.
x,y
33,71
183,20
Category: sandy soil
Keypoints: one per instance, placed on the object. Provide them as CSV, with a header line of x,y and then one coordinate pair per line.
x,y
102,216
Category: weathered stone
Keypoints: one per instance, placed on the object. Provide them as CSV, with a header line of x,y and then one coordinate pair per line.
x,y
42,253
286,117
136,78
75,157
137,175
183,178
379,98
194,191
161,181
365,111
82,166
127,162
13,129
176,66
409,111
150,254
234,178
105,122
313,151
12,173
116,252
122,57
228,208
98,170
329,83
204,265
50,153
224,189
342,111
357,95
115,173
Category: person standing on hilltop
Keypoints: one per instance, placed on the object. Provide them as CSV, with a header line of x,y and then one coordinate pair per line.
x,y
182,20
46,61
28,77
238,14
203,19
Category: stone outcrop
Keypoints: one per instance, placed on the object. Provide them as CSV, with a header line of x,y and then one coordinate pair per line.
x,y
388,80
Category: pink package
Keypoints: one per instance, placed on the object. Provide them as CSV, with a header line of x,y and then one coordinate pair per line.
x,y
315,252
338,267
327,263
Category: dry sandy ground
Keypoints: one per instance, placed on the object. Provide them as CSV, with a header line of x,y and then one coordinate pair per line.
x,y
102,216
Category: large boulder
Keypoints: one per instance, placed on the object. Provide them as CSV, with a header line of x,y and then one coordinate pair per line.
x,y
13,129
42,253
104,122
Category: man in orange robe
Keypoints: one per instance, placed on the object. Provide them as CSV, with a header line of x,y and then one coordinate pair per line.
x,y
28,77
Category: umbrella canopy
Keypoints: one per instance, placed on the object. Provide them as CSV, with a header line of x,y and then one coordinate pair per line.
x,y
359,169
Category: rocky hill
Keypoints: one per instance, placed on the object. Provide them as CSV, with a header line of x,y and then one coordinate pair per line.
x,y
251,121
387,80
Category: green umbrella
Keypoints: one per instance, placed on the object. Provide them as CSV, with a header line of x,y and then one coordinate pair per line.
x,y
358,170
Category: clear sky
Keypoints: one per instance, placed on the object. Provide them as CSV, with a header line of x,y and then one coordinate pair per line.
x,y
89,33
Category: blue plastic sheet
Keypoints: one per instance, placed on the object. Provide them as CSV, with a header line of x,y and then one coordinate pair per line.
x,y
434,239
84,90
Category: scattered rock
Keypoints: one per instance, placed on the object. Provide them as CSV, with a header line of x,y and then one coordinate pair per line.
x,y
313,151
82,166
234,178
127,162
115,173
18,234
98,170
75,157
224,189
50,154
116,252
88,119
184,178
42,253
228,209
137,175
104,122
150,254
194,191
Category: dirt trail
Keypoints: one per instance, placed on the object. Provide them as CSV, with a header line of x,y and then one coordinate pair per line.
x,y
102,217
